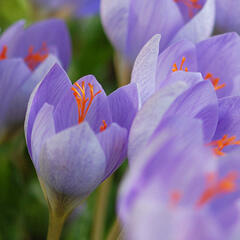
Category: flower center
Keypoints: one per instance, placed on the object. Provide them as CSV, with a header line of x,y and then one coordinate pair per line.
x,y
192,5
175,68
3,53
214,81
83,103
34,58
103,126
215,187
220,144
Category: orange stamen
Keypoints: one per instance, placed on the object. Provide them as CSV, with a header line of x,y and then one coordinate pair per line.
x,y
175,197
103,126
83,103
191,5
33,59
175,68
3,53
220,144
215,187
214,81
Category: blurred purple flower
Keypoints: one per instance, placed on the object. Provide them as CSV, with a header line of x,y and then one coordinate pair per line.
x,y
80,8
227,16
129,24
176,190
76,135
26,55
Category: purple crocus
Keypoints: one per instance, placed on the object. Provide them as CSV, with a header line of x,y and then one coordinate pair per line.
x,y
176,190
79,8
76,135
129,24
170,84
216,58
226,22
25,57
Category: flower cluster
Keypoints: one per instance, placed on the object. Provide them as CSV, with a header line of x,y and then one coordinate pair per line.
x,y
177,121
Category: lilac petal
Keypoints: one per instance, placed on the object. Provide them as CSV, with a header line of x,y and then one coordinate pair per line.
x,y
229,120
201,102
145,67
66,112
53,32
191,78
11,35
43,128
50,90
114,143
226,22
124,105
219,56
13,74
150,115
200,26
160,16
172,55
39,73
114,16
73,162
166,153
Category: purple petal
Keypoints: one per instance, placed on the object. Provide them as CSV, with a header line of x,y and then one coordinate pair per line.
x,y
124,105
200,26
150,115
226,22
172,55
229,120
114,143
11,36
145,67
147,18
50,90
73,162
53,32
87,7
43,128
201,102
219,56
114,16
13,101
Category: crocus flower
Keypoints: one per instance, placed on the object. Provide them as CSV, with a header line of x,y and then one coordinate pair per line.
x,y
177,190
216,58
76,135
226,22
25,57
129,24
79,8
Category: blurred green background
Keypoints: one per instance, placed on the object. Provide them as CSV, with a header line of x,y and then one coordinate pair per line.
x,y
23,210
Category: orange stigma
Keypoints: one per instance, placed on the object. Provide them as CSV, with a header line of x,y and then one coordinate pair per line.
x,y
214,81
103,126
175,198
83,103
220,144
33,59
175,68
3,53
215,187
191,5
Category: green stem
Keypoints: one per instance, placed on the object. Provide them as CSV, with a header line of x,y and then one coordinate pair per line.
x,y
55,226
101,209
114,231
